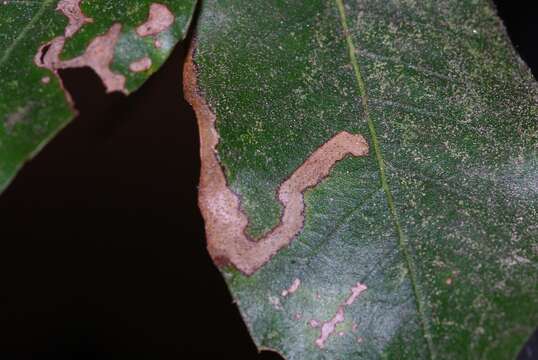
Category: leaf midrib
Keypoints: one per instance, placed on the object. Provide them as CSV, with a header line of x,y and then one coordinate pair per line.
x,y
24,31
402,242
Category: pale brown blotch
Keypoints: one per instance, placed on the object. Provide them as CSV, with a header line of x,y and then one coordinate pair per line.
x,y
160,18
98,55
140,65
225,223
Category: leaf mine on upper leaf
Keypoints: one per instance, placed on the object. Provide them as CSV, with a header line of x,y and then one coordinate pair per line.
x,y
38,38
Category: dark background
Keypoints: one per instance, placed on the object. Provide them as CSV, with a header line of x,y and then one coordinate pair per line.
x,y
102,253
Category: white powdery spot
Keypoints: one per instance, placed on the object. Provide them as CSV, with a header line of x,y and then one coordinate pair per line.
x,y
293,288
329,326
514,259
275,301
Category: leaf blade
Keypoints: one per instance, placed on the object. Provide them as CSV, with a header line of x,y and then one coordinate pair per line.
x,y
438,130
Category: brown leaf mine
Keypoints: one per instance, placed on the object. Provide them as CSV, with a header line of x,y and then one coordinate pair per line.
x,y
71,9
98,55
160,18
329,326
225,223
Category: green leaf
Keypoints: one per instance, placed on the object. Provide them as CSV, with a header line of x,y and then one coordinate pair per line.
x,y
121,40
426,247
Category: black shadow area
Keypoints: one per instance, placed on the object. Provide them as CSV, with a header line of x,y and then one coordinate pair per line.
x,y
102,253
521,21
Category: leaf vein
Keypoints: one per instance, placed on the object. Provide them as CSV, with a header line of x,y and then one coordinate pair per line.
x,y
402,242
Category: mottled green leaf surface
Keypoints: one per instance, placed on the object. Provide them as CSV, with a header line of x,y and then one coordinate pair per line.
x,y
33,106
439,221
